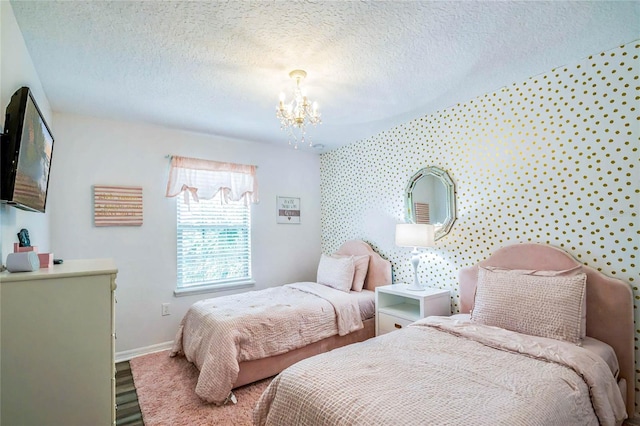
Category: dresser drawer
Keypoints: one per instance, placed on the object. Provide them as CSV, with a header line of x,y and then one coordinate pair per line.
x,y
387,323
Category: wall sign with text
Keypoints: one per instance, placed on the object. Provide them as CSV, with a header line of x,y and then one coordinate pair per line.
x,y
288,209
117,205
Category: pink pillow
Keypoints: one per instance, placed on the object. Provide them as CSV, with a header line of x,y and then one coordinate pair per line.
x,y
542,273
539,304
336,272
564,273
361,264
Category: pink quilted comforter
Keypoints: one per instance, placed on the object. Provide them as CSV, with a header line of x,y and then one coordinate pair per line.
x,y
442,371
217,334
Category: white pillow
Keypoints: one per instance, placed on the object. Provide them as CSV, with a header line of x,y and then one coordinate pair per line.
x,y
336,272
361,265
539,305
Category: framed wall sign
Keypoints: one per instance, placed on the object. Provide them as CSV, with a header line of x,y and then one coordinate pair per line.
x,y
288,209
117,205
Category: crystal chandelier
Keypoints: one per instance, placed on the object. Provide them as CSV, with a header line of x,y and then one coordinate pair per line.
x,y
296,115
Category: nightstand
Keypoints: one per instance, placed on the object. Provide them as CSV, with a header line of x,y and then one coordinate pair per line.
x,y
397,307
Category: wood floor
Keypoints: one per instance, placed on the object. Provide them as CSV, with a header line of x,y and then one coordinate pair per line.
x,y
127,409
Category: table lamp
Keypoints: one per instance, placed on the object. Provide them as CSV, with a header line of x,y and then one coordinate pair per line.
x,y
415,235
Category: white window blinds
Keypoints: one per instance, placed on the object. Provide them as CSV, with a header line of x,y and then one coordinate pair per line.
x,y
214,242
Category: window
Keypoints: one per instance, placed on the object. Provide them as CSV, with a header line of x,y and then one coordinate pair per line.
x,y
214,230
214,244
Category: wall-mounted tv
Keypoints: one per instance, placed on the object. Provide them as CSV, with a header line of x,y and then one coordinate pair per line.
x,y
25,154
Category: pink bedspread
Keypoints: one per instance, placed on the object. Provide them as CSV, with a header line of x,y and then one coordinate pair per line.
x,y
444,371
217,334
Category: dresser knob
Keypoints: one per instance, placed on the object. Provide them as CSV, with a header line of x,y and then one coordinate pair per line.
x,y
398,325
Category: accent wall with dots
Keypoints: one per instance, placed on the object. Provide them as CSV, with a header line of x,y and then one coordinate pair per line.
x,y
552,160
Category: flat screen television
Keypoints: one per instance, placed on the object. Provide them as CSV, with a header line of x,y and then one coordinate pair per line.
x,y
25,154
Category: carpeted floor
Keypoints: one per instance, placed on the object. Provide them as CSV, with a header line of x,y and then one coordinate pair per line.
x,y
166,394
164,389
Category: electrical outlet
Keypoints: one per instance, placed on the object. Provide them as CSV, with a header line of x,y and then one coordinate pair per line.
x,y
165,309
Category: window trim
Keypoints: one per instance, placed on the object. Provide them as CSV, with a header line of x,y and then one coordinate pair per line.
x,y
212,288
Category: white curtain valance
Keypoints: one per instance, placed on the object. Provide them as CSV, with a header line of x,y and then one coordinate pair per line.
x,y
202,179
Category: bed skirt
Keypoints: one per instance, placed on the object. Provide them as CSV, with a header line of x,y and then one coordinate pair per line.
x,y
252,371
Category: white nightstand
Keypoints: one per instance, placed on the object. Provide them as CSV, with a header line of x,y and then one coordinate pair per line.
x,y
397,307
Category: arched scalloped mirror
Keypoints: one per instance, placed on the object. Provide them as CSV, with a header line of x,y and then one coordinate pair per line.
x,y
430,197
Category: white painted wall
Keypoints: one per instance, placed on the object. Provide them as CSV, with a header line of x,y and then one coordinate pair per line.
x,y
91,151
17,70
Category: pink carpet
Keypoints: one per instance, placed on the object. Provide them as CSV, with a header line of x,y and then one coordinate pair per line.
x,y
166,394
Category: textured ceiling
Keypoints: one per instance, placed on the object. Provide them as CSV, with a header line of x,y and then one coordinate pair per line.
x,y
218,67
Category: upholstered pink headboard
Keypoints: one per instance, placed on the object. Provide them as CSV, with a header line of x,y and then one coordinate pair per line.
x,y
609,300
379,272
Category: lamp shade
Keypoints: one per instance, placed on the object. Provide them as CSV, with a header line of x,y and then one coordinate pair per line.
x,y
415,235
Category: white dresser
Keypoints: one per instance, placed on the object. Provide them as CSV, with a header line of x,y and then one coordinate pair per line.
x,y
57,345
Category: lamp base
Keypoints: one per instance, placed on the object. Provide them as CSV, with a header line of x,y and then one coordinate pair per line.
x,y
414,287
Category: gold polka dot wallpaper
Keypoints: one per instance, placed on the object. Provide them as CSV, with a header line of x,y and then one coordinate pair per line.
x,y
552,160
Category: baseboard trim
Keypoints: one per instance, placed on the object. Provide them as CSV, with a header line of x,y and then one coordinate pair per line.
x,y
133,353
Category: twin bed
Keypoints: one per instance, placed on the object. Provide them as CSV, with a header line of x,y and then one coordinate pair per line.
x,y
239,339
526,354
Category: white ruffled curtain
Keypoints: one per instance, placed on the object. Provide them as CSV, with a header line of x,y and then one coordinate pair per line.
x,y
202,179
